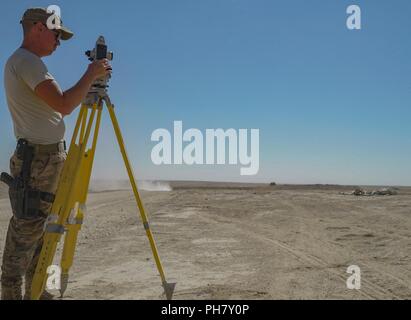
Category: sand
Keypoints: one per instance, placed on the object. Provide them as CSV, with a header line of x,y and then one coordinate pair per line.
x,y
231,241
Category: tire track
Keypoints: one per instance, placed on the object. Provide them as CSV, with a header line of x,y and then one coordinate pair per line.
x,y
374,291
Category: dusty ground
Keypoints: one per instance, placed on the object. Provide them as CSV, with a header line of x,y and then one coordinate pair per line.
x,y
242,242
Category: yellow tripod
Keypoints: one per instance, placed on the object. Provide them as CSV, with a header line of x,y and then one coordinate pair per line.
x,y
69,206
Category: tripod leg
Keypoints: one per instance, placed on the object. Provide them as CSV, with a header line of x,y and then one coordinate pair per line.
x,y
168,287
75,220
63,203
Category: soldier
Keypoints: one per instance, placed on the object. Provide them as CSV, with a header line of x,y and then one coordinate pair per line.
x,y
37,106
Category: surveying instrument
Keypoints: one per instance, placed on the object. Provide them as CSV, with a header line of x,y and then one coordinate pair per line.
x,y
69,206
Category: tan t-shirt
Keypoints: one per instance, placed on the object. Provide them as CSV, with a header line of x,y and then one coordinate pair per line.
x,y
33,119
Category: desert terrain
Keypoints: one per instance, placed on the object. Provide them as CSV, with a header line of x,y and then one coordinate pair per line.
x,y
241,241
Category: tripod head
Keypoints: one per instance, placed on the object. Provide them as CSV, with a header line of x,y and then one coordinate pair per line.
x,y
99,52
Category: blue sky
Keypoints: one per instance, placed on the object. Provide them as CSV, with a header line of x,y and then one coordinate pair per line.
x,y
332,105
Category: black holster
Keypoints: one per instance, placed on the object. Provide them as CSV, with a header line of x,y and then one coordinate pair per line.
x,y
24,200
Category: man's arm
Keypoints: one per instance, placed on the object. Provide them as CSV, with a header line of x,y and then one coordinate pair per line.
x,y
66,102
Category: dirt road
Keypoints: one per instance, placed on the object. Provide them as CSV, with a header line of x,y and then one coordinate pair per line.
x,y
243,242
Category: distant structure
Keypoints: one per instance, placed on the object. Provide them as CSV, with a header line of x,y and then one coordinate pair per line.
x,y
379,192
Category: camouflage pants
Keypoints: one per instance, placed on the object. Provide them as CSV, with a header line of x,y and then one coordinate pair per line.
x,y
25,237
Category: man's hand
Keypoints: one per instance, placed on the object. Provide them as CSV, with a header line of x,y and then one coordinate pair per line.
x,y
99,69
66,102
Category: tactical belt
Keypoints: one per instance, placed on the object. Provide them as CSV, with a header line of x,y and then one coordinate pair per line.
x,y
48,148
